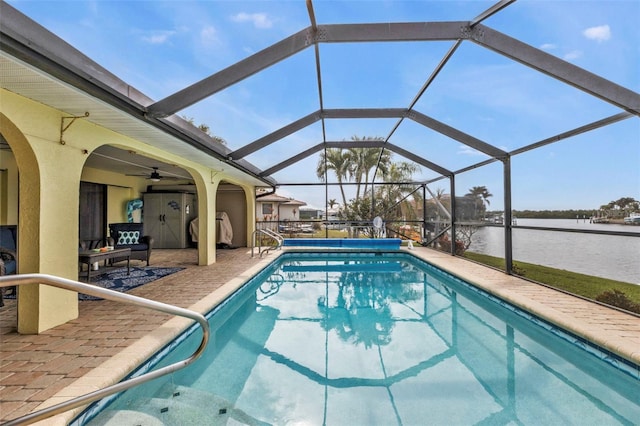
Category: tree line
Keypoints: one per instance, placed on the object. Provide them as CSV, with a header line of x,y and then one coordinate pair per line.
x,y
552,214
620,207
615,209
397,200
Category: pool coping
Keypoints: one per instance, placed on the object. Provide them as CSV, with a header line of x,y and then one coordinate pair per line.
x,y
562,313
494,282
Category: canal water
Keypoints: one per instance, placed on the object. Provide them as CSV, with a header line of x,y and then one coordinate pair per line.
x,y
607,256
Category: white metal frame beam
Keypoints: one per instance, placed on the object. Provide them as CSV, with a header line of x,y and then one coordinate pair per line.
x,y
418,117
557,68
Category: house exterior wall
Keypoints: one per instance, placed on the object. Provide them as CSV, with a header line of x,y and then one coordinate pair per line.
x,y
8,189
48,193
267,210
288,212
233,203
120,190
47,231
280,211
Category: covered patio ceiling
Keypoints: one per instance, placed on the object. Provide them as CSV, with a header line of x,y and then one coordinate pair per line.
x,y
43,67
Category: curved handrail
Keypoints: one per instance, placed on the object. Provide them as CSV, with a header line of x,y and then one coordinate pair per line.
x,y
279,240
273,234
104,293
269,233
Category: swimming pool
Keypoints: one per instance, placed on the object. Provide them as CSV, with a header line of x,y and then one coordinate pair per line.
x,y
378,338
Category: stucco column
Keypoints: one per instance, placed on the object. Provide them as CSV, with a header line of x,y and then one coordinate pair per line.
x,y
250,196
49,236
49,178
206,220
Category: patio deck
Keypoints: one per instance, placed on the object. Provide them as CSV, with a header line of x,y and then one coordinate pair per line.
x,y
75,357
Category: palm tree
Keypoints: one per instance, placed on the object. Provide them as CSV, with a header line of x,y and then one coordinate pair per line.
x,y
337,160
400,172
332,202
480,192
364,160
206,129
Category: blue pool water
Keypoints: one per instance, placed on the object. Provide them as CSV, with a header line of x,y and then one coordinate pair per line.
x,y
378,339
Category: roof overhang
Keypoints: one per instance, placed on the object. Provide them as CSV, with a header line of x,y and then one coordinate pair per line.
x,y
40,66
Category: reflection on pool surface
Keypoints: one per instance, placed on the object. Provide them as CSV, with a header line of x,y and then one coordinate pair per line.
x,y
346,339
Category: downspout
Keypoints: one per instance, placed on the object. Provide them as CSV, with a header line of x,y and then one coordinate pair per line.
x,y
267,193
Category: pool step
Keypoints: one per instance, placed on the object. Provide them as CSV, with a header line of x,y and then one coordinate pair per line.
x,y
178,406
125,417
217,407
160,411
172,411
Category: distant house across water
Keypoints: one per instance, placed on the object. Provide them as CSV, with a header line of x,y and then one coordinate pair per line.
x,y
310,213
274,207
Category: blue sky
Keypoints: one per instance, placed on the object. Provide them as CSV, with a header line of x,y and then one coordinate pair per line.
x,y
160,47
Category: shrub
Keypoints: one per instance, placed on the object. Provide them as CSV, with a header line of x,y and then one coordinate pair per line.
x,y
617,298
445,245
518,270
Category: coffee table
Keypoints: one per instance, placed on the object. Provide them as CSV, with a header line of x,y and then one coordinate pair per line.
x,y
89,257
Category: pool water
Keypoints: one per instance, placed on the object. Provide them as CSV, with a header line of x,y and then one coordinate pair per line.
x,y
378,339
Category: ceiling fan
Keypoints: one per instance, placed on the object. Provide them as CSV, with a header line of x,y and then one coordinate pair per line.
x,y
155,176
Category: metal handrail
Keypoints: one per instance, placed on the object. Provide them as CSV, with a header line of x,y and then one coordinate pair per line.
x,y
279,239
10,280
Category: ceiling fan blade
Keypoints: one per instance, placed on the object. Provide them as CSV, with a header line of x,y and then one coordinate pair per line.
x,y
156,176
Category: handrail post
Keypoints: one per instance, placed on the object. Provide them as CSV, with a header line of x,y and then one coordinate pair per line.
x,y
253,241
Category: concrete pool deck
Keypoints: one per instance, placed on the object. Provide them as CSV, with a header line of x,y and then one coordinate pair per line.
x,y
110,339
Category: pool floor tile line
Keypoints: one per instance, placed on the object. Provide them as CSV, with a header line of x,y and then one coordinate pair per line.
x,y
47,368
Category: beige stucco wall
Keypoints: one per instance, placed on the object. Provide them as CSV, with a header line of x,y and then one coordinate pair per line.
x,y
48,194
120,190
46,197
117,198
8,189
250,198
232,202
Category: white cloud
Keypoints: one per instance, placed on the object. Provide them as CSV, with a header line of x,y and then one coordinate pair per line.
x,y
159,37
467,150
209,35
574,54
259,20
599,34
548,46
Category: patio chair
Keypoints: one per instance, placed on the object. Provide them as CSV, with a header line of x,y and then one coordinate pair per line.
x,y
129,235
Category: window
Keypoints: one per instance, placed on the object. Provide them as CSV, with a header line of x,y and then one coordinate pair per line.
x,y
267,208
92,214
